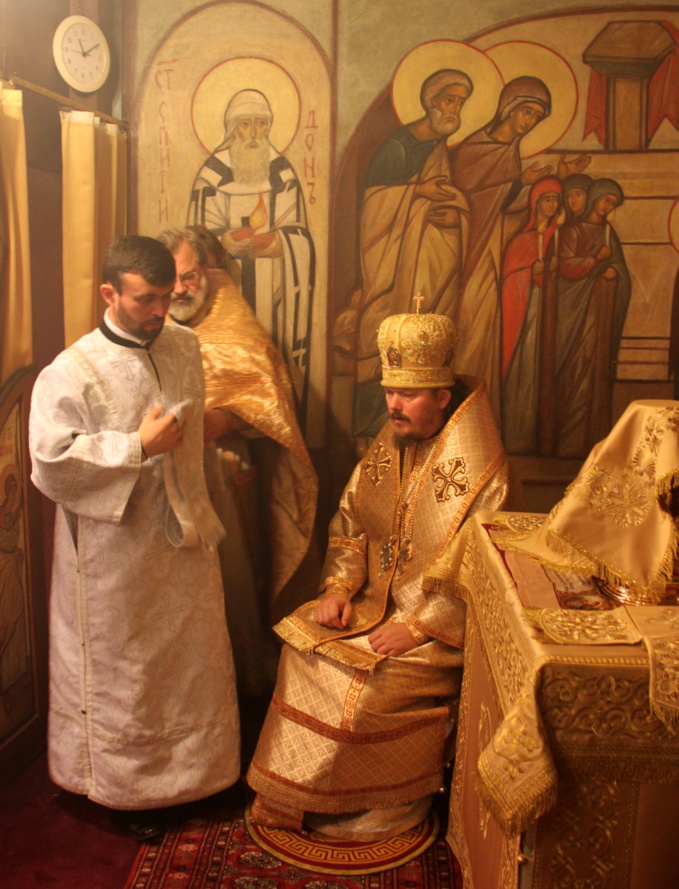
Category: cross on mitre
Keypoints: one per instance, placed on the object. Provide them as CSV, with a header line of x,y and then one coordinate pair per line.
x,y
418,299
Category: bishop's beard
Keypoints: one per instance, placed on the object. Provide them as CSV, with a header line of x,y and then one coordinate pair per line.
x,y
250,161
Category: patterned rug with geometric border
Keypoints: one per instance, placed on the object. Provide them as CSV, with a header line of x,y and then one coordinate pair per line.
x,y
218,853
324,855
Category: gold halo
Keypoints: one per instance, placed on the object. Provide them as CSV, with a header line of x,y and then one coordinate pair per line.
x,y
673,225
519,58
220,85
414,68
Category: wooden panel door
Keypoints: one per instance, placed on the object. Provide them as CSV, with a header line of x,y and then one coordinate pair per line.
x,y
23,595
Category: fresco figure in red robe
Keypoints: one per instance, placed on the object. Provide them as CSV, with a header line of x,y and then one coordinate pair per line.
x,y
528,263
487,167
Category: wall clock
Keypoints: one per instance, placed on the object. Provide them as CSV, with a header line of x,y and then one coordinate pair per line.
x,y
81,53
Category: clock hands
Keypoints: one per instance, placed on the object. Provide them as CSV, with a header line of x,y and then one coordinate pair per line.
x,y
85,52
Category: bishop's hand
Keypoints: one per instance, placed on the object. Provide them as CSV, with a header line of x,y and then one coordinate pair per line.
x,y
333,610
392,640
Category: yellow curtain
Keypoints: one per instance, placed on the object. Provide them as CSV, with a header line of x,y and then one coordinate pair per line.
x,y
94,158
15,272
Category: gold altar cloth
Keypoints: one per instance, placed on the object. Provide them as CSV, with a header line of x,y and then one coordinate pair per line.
x,y
582,704
610,523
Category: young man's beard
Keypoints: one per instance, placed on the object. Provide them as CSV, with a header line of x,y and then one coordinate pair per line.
x,y
145,330
250,162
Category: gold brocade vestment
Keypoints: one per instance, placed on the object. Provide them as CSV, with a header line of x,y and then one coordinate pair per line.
x,y
246,374
349,729
264,488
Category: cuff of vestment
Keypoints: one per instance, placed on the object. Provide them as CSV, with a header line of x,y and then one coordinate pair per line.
x,y
336,585
416,631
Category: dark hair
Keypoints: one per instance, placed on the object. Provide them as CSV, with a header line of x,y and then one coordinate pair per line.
x,y
139,255
458,392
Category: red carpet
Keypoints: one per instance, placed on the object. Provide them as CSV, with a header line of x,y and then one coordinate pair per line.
x,y
51,838
218,853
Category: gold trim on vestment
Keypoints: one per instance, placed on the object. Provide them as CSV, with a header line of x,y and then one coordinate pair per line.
x,y
416,630
343,653
345,736
351,700
374,797
439,585
265,812
347,543
330,582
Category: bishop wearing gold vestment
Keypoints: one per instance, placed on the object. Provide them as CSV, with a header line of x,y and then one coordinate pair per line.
x,y
362,717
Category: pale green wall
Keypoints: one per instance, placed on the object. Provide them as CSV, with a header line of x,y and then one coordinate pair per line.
x,y
373,35
156,17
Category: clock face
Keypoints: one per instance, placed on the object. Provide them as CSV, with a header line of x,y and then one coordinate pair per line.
x,y
81,53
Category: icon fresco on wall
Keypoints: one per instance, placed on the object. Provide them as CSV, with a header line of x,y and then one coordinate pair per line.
x,y
237,137
533,224
249,195
414,220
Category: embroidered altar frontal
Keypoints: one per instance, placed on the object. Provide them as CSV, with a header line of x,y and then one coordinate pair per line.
x,y
567,761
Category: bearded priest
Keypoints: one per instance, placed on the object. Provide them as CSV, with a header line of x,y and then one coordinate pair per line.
x,y
363,715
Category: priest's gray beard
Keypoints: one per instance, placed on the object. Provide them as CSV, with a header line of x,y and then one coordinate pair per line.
x,y
250,161
184,307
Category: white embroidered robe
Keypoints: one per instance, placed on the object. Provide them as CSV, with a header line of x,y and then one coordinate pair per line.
x,y
143,710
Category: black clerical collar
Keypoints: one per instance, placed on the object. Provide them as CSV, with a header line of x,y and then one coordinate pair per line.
x,y
121,340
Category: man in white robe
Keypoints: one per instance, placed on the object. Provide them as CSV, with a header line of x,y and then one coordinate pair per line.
x,y
250,196
143,710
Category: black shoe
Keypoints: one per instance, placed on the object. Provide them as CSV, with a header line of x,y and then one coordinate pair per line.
x,y
147,831
145,826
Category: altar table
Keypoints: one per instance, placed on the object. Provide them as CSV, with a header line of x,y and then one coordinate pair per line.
x,y
564,774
